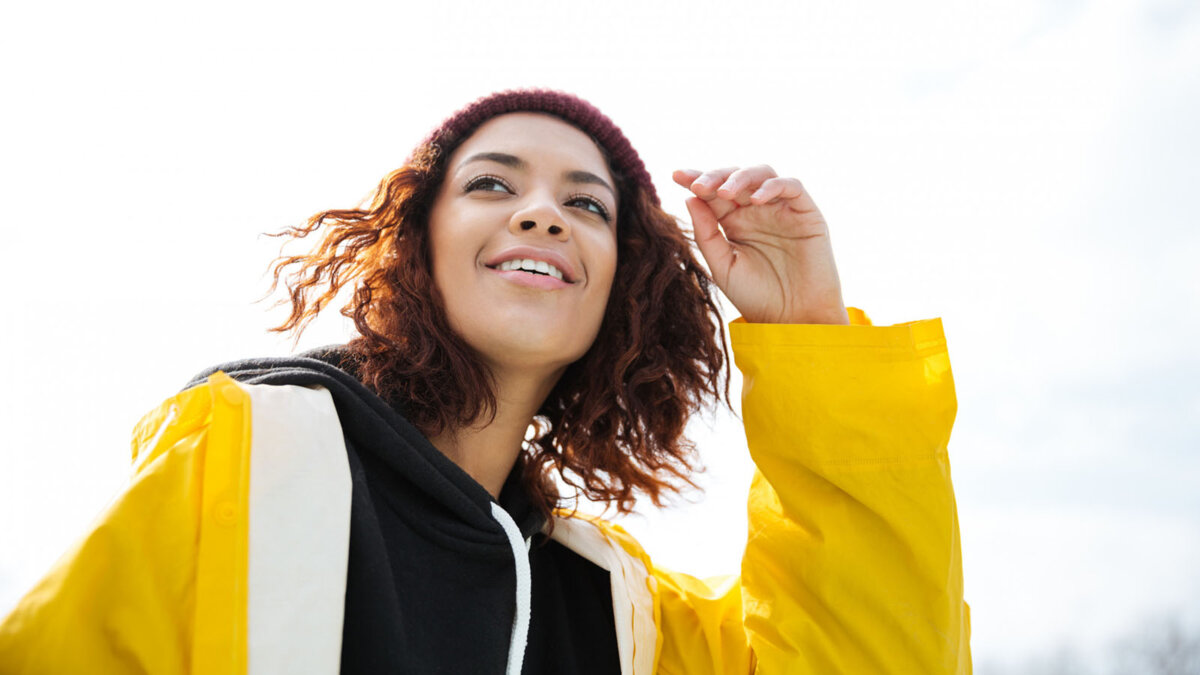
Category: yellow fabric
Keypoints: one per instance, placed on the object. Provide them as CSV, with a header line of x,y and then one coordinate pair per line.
x,y
220,645
853,562
158,586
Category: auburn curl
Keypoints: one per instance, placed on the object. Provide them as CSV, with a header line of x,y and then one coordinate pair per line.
x,y
612,426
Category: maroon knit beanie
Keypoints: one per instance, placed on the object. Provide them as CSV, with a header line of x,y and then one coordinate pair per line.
x,y
567,107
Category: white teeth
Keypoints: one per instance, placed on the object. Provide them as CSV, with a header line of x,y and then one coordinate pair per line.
x,y
529,265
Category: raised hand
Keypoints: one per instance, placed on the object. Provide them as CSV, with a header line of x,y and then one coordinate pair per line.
x,y
766,244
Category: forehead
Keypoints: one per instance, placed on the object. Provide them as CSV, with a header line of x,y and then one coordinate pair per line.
x,y
534,137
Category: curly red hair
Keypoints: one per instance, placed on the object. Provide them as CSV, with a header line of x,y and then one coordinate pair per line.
x,y
613,424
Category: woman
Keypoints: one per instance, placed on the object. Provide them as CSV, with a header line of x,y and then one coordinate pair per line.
x,y
378,508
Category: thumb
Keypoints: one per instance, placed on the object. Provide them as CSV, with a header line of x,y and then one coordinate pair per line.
x,y
712,243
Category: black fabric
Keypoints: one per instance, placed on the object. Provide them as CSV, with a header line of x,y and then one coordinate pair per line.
x,y
572,627
431,581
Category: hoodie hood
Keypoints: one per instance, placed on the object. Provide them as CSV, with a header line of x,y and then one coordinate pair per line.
x,y
460,508
438,575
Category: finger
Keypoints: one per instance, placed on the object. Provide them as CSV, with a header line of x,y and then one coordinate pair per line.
x,y
713,245
743,182
686,177
705,187
777,188
789,190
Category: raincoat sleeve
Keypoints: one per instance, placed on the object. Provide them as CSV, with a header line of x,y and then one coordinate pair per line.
x,y
853,562
125,598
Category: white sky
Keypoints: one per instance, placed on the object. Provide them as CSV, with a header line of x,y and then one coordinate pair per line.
x,y
1024,170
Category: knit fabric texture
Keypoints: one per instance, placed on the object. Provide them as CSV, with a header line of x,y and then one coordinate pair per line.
x,y
567,107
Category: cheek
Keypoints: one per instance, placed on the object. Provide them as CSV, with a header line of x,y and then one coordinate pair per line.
x,y
606,264
602,269
448,281
460,302
441,264
448,256
438,266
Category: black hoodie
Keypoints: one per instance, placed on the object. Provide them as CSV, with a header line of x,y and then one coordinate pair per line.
x,y
431,578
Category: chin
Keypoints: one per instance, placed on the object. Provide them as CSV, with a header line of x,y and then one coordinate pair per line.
x,y
531,351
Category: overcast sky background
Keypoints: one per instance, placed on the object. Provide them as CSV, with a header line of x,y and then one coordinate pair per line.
x,y
1025,170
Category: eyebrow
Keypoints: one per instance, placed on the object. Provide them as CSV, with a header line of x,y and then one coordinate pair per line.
x,y
514,162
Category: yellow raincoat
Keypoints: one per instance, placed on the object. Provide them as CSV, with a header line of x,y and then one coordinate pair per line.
x,y
852,565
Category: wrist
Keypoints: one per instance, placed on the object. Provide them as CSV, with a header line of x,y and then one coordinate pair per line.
x,y
831,317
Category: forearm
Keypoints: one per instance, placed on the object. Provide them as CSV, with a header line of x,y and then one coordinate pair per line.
x,y
853,562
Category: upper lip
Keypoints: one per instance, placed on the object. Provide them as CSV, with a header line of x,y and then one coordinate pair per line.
x,y
543,254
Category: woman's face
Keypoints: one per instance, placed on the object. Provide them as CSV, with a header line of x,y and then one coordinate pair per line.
x,y
525,191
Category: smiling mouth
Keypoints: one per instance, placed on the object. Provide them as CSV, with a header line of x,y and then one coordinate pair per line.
x,y
527,265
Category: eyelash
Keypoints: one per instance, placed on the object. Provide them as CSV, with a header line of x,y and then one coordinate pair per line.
x,y
581,197
475,183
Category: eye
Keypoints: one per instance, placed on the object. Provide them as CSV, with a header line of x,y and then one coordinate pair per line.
x,y
487,183
589,203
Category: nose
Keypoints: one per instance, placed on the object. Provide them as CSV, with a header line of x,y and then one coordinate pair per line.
x,y
540,215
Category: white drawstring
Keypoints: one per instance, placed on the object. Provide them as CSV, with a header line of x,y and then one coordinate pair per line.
x,y
520,551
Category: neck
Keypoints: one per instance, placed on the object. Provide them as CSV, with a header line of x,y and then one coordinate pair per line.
x,y
488,451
